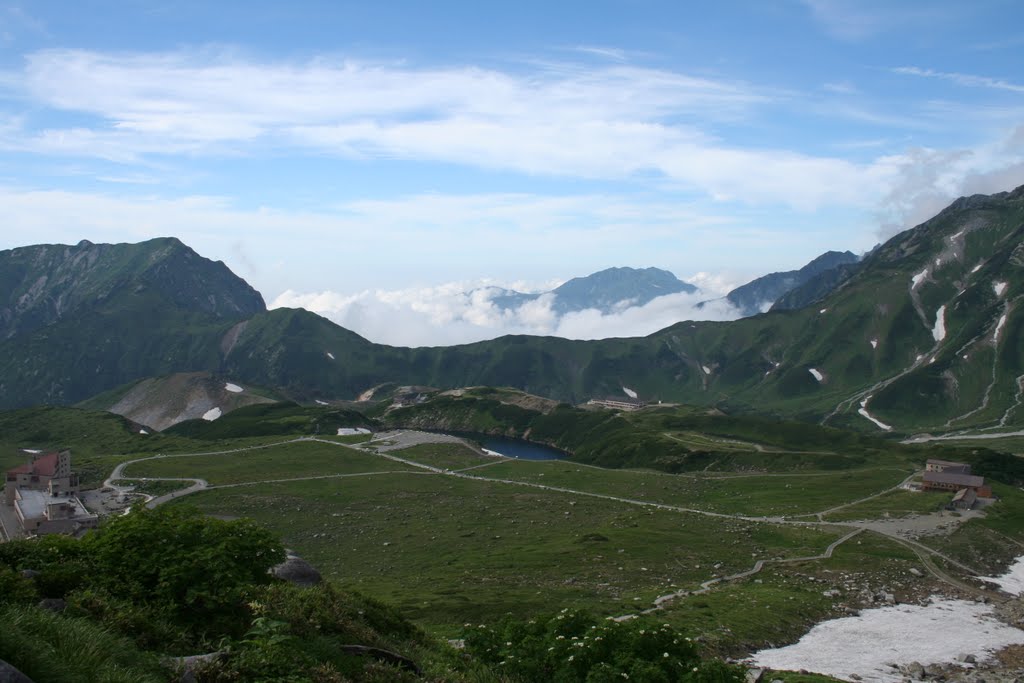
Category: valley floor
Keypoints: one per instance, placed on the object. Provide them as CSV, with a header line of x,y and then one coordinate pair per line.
x,y
452,534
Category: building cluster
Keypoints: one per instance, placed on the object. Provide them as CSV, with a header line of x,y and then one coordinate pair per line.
x,y
943,475
44,495
617,403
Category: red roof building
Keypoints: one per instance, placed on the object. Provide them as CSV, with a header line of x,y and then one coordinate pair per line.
x,y
42,466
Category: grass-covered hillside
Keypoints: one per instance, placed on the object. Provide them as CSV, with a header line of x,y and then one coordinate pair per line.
x,y
736,532
129,601
79,320
923,336
669,438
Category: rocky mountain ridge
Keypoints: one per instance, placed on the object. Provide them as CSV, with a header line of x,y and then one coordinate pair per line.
x,y
924,335
762,293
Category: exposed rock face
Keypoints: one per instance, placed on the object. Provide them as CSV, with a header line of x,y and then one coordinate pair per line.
x,y
162,402
79,320
47,283
53,605
297,571
187,666
9,674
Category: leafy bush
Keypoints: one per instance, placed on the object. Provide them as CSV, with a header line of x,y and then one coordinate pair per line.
x,y
175,558
573,646
166,577
14,588
61,562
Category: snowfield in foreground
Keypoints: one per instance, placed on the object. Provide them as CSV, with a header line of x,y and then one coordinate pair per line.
x,y
867,644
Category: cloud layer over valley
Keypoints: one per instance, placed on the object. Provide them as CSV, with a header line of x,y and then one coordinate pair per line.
x,y
461,312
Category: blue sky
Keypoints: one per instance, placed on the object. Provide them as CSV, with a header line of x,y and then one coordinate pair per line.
x,y
348,148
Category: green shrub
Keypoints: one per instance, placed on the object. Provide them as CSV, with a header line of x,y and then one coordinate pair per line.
x,y
573,647
14,588
175,558
62,563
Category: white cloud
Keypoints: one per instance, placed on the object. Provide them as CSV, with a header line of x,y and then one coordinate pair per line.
x,y
857,20
968,80
400,241
612,53
718,284
463,312
928,180
841,88
601,122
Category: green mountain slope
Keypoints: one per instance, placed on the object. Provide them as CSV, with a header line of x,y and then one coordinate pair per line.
x,y
80,320
874,339
767,289
924,335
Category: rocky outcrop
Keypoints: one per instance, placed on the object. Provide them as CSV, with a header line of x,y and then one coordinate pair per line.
x,y
9,674
297,571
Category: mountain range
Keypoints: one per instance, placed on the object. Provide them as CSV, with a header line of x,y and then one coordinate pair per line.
x,y
762,294
608,290
923,334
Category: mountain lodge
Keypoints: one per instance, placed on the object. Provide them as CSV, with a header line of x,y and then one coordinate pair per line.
x,y
44,495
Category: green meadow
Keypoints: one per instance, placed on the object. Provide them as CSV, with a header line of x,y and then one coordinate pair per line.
x,y
291,460
486,537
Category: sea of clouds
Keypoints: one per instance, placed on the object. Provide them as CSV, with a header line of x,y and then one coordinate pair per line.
x,y
464,312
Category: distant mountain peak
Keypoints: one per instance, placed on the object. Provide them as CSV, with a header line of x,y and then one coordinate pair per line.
x,y
44,284
758,295
606,290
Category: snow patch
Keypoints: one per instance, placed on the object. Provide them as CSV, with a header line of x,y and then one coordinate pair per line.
x,y
330,355
352,431
999,326
1012,581
629,392
953,237
976,268
865,644
824,310
939,331
917,279
322,403
706,369
143,431
212,414
874,343
233,388
817,375
999,288
33,451
863,412
938,262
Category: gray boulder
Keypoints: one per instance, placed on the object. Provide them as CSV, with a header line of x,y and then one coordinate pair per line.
x,y
53,605
297,571
915,670
9,674
187,666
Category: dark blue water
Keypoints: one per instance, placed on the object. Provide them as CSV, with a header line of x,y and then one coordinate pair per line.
x,y
514,448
